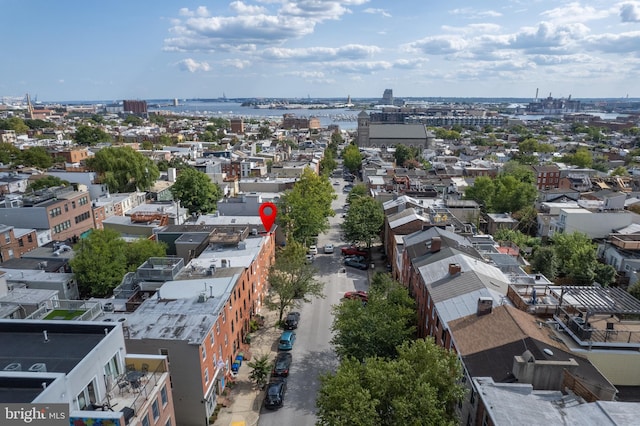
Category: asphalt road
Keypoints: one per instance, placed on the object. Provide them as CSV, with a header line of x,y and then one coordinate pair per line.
x,y
312,352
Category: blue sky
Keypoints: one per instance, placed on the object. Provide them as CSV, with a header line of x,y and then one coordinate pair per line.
x,y
108,50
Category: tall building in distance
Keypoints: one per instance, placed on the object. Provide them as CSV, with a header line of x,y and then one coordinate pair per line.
x,y
387,97
135,107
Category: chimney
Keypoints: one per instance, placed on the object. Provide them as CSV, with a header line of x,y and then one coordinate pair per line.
x,y
436,245
454,269
485,306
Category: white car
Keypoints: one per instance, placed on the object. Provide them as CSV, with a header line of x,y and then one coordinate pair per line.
x,y
313,250
328,248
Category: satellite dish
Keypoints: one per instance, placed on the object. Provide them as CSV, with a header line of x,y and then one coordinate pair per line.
x,y
548,351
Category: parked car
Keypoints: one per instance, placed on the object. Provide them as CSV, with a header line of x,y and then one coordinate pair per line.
x,y
354,251
328,248
282,364
291,321
310,258
313,250
360,259
357,295
276,390
287,339
355,264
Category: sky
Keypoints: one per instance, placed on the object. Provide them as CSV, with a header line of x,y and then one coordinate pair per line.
x,y
160,49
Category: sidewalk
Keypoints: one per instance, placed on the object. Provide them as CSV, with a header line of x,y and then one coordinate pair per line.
x,y
243,401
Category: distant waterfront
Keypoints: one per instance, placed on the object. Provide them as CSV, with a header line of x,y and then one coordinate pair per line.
x,y
343,117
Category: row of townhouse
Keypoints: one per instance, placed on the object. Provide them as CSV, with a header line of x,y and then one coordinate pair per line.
x,y
181,322
515,333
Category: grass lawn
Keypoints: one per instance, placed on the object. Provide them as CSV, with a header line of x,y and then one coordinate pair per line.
x,y
63,314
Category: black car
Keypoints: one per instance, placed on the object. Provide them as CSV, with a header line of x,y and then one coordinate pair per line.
x,y
282,364
291,322
276,389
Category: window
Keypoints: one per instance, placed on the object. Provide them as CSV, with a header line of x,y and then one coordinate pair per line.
x,y
473,397
224,316
29,238
66,207
163,395
7,237
226,341
206,376
168,423
20,243
204,352
211,336
217,328
155,410
145,420
73,204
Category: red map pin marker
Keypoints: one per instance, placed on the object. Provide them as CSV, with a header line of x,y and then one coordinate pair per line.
x,y
268,217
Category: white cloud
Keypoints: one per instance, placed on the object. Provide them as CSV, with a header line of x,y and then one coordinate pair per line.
x,y
242,8
374,11
549,38
439,45
471,13
575,12
319,54
626,43
630,12
192,65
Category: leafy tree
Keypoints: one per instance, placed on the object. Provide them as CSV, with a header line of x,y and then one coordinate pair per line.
x,y
377,328
303,211
527,218
8,153
605,274
576,256
291,279
195,191
418,388
544,260
100,263
87,135
16,124
364,220
634,290
404,153
97,118
516,237
528,145
47,181
508,192
133,120
328,163
264,132
620,171
581,158
124,169
351,158
261,366
36,156
358,190
140,250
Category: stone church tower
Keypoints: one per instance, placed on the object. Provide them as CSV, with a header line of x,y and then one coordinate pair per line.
x,y
363,129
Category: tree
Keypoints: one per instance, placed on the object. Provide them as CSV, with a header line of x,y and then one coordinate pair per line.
x,y
124,169
581,158
364,221
16,124
328,163
46,181
291,279
358,190
620,171
140,250
420,387
605,274
377,328
634,290
544,261
303,211
87,135
510,191
195,191
261,368
576,256
36,156
133,120
351,158
402,154
8,153
100,263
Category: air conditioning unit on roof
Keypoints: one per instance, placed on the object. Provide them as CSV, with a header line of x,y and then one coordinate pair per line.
x,y
38,367
14,366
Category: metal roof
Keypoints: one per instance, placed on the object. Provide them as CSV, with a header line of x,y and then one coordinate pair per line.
x,y
601,300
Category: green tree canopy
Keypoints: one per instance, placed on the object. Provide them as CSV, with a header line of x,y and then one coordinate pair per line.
x,y
364,221
420,387
16,124
403,154
508,192
303,211
351,158
103,258
544,261
133,120
195,191
328,163
36,156
8,153
46,181
291,279
581,158
124,169
576,256
377,328
88,135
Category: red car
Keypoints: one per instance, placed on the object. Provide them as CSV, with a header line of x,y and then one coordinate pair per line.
x,y
357,295
354,251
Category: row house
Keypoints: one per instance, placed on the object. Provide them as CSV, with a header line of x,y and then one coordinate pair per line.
x,y
85,367
15,242
67,213
547,176
200,318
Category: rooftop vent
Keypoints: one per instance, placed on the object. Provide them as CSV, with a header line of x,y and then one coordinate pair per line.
x,y
38,367
485,306
14,366
202,297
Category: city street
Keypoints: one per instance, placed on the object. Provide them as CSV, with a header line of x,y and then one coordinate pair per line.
x,y
312,352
